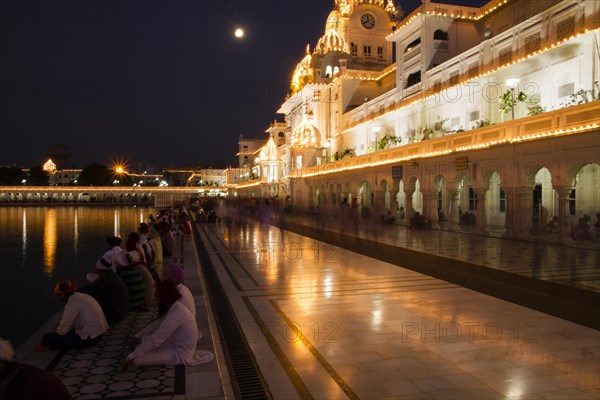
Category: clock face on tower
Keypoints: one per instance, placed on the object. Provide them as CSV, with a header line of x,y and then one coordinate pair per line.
x,y
368,21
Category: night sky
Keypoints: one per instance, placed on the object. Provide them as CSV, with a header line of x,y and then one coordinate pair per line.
x,y
164,83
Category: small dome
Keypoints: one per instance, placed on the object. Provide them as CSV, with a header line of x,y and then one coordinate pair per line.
x,y
333,20
269,151
344,7
305,134
332,41
303,73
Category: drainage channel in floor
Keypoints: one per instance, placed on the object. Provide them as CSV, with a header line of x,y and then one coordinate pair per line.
x,y
247,381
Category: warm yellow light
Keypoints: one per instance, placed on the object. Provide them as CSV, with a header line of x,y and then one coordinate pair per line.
x,y
49,167
239,33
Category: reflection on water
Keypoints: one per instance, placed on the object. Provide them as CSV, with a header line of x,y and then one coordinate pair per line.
x,y
49,241
75,231
41,245
116,224
23,234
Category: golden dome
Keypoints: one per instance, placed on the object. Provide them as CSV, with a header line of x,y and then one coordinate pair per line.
x,y
333,20
332,41
303,73
346,7
269,151
305,134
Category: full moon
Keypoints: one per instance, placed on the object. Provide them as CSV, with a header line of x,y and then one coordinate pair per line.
x,y
239,33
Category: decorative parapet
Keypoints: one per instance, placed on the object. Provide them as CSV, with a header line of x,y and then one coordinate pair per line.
x,y
566,121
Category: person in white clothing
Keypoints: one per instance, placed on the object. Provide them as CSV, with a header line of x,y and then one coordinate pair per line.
x,y
175,273
168,340
82,324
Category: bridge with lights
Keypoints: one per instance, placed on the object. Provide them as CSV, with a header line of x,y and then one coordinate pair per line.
x,y
103,195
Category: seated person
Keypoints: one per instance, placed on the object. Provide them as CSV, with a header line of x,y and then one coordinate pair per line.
x,y
167,239
582,230
175,273
82,324
134,280
20,381
420,222
171,338
109,290
388,218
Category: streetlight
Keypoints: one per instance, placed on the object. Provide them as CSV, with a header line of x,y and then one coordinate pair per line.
x,y
511,83
376,129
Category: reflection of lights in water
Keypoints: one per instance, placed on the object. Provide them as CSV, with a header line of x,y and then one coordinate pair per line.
x,y
75,231
116,223
50,238
24,234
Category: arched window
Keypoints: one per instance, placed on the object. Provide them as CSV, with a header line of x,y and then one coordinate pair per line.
x,y
354,49
281,134
440,35
413,44
328,71
336,70
413,79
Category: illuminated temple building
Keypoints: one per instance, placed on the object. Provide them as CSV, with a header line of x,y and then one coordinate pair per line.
x,y
490,112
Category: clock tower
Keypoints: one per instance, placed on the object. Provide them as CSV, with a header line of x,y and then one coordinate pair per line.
x,y
368,24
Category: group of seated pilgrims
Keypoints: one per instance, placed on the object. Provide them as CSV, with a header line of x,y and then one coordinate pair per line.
x,y
125,280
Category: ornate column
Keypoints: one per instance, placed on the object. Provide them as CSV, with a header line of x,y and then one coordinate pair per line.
x,y
564,226
454,203
509,213
409,211
378,204
430,205
480,217
523,212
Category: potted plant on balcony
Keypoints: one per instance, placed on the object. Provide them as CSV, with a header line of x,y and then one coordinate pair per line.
x,y
388,141
533,106
438,127
506,101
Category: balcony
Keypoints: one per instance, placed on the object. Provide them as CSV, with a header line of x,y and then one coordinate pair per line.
x,y
566,121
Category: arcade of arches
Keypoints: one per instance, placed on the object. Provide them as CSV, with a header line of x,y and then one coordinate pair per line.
x,y
515,190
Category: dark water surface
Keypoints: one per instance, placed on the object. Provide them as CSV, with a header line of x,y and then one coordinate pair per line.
x,y
42,245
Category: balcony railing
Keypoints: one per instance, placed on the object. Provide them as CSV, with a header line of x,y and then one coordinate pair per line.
x,y
566,121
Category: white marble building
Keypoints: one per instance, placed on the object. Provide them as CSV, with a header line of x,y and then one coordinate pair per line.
x,y
415,112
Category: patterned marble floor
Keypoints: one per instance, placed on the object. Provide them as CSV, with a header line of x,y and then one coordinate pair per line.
x,y
329,323
95,373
